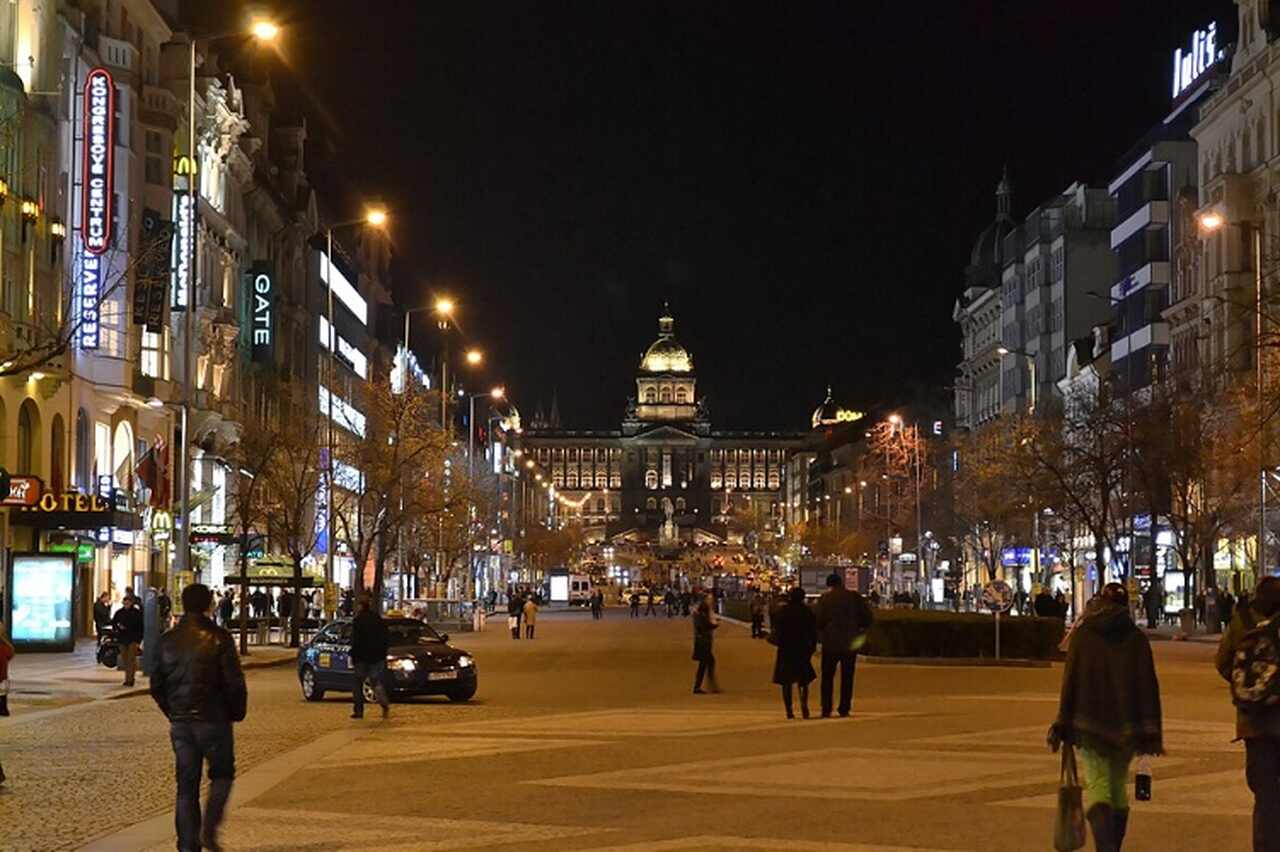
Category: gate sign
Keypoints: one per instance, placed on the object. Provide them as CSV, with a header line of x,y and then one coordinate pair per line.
x,y
99,147
262,304
997,596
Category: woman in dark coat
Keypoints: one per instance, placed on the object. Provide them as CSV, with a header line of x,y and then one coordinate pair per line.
x,y
795,632
1109,709
702,627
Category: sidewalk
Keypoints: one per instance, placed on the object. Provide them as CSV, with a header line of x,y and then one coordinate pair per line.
x,y
41,681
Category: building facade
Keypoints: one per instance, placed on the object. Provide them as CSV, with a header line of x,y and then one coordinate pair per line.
x,y
666,476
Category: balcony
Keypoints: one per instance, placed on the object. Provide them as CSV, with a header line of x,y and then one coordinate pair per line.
x,y
119,56
1154,214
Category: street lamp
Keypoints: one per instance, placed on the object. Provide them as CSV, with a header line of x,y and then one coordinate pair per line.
x,y
263,31
495,394
375,217
1212,221
1031,369
474,357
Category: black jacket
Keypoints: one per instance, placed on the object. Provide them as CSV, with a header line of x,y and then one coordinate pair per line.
x,y
101,615
128,624
842,616
369,640
795,632
197,674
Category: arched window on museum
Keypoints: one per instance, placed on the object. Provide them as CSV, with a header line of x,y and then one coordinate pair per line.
x,y
715,479
573,479
773,481
680,504
651,504
651,479
650,395
600,507
681,395
615,480
730,479
759,480
666,394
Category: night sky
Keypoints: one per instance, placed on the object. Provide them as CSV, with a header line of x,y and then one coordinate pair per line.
x,y
803,181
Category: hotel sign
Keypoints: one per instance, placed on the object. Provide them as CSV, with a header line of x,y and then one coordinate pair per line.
x,y
1191,65
99,147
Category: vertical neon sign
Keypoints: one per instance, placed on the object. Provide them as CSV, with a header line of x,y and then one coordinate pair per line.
x,y
99,155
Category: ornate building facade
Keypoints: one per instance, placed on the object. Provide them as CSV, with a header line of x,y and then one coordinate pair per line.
x,y
666,475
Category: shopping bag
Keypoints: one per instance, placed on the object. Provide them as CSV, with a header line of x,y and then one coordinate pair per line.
x,y
1068,826
512,622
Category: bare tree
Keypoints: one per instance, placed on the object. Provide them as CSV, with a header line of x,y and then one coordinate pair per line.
x,y
250,460
296,473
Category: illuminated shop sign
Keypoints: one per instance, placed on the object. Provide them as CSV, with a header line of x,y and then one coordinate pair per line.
x,y
23,491
844,415
90,294
184,229
1191,65
71,501
262,294
99,145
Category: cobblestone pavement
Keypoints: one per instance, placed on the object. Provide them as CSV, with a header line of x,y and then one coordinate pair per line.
x,y
587,738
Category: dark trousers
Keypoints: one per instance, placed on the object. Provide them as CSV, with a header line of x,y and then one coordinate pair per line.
x,y
635,610
707,669
847,661
757,625
194,743
1262,771
649,610
528,631
374,674
804,699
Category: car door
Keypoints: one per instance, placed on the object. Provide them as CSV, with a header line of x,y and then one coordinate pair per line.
x,y
327,656
341,669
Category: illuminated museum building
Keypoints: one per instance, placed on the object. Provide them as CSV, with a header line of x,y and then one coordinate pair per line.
x,y
666,475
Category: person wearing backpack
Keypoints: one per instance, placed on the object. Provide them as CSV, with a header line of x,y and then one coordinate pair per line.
x,y
1252,635
1109,710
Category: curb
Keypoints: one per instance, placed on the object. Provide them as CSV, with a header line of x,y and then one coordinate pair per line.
x,y
244,665
958,662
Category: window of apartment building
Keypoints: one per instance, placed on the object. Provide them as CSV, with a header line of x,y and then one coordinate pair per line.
x,y
156,171
155,361
110,328
1058,265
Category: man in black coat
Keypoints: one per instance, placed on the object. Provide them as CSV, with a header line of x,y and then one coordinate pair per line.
x,y
128,624
843,616
101,613
200,688
369,643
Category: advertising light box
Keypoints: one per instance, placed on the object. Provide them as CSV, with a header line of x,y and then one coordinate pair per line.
x,y
40,615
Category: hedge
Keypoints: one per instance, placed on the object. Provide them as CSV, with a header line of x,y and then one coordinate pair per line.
x,y
935,633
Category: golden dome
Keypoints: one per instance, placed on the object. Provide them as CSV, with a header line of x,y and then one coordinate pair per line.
x,y
666,355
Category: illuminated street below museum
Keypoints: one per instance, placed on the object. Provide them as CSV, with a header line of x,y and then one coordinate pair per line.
x,y
588,738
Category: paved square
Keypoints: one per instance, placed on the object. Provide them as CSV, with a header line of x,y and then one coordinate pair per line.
x,y
871,774
642,722
402,746
1181,736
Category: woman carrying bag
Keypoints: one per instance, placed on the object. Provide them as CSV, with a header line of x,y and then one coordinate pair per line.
x,y
1109,711
795,632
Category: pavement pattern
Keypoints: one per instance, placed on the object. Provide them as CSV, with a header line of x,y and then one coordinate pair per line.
x,y
587,738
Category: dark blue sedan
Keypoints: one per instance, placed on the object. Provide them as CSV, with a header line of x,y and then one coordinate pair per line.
x,y
420,661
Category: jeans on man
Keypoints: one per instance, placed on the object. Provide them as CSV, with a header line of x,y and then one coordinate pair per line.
x,y
196,742
1262,771
129,661
757,625
375,674
847,661
707,669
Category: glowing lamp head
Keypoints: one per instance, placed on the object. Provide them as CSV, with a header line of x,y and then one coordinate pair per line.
x,y
498,393
377,217
474,356
895,419
444,307
1212,221
1002,350
264,30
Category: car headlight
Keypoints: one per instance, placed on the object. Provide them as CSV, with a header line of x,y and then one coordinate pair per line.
x,y
464,662
403,665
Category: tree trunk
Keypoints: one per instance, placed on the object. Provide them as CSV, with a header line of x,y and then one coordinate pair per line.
x,y
297,593
244,596
379,567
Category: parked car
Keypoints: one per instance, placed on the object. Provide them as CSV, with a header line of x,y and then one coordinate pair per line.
x,y
420,661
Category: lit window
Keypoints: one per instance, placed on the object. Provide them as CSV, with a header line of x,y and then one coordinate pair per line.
x,y
666,394
681,395
650,395
651,479
651,504
153,360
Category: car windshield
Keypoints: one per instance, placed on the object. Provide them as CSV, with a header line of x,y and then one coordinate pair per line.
x,y
412,633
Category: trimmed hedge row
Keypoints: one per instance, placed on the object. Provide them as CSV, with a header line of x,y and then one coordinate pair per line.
x,y
930,633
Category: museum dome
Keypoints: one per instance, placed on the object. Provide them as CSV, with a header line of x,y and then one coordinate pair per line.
x,y
666,355
988,248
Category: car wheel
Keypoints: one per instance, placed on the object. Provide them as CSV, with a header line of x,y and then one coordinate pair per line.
x,y
310,689
463,694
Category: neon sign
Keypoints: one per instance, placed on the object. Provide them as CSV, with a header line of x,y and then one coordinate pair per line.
x,y
263,311
1190,66
184,225
845,415
99,147
90,293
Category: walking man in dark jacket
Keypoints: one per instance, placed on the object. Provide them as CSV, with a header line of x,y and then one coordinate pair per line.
x,y
200,688
1258,727
843,617
369,642
128,624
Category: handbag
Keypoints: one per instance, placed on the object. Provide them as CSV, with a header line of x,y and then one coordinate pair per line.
x,y
1068,826
512,622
